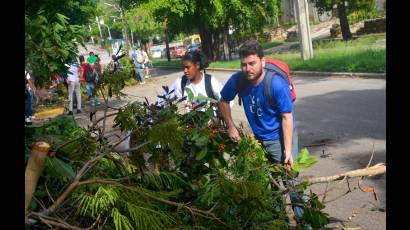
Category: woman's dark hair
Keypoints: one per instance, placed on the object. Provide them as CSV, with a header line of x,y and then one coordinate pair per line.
x,y
196,57
81,58
251,47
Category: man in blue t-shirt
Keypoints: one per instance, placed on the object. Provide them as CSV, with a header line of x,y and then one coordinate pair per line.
x,y
274,126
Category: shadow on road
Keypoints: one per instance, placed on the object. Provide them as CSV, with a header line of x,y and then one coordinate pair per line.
x,y
342,115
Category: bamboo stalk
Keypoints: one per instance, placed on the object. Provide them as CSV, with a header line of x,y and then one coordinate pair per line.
x,y
34,168
370,171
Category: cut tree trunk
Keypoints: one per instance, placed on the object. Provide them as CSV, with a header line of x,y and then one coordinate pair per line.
x,y
34,168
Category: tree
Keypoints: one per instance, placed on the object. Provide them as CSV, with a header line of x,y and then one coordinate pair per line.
x,y
50,42
344,8
213,18
142,22
79,11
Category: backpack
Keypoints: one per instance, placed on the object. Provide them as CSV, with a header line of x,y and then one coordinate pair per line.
x,y
208,86
90,74
272,67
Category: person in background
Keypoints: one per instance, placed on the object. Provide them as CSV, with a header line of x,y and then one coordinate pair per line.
x,y
88,69
147,64
138,58
91,58
29,96
73,82
98,69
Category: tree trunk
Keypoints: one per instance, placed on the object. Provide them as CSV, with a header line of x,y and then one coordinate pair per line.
x,y
206,42
132,38
226,45
148,47
125,30
344,23
167,41
216,44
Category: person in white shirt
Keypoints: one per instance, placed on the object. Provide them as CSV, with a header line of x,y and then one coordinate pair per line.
x,y
73,81
147,64
195,82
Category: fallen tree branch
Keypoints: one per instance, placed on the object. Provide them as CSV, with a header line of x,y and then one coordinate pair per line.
x,y
370,171
199,212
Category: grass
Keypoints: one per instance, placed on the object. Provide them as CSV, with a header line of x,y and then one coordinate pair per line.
x,y
365,54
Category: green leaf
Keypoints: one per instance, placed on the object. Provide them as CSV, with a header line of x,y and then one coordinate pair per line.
x,y
60,168
201,154
304,161
190,94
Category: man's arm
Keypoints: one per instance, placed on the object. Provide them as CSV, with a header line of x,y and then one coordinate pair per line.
x,y
287,128
225,109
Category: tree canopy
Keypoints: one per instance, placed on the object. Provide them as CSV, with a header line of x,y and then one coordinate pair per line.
x,y
50,42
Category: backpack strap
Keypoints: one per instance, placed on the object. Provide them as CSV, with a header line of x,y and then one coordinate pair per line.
x,y
208,87
267,90
184,79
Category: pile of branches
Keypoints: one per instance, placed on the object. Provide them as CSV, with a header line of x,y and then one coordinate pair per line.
x,y
181,171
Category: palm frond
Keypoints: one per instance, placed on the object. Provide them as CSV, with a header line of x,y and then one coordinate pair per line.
x,y
164,181
120,221
147,218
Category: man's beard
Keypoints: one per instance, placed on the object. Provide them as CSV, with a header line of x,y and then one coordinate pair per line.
x,y
254,77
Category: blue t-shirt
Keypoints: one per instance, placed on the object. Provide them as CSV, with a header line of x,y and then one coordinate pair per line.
x,y
264,120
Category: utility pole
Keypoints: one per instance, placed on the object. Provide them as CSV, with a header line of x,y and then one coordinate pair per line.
x,y
305,40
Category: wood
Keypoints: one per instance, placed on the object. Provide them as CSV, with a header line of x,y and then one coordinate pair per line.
x,y
34,168
370,171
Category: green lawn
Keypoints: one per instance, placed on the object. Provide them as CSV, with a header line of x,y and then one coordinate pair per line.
x,y
364,54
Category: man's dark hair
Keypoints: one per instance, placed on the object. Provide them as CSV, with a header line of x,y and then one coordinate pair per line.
x,y
91,53
251,47
81,58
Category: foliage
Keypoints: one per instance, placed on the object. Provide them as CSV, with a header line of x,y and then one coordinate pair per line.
x,y
79,11
141,21
344,8
364,14
50,42
200,168
352,5
359,55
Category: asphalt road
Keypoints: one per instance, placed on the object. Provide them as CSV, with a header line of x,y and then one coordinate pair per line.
x,y
341,121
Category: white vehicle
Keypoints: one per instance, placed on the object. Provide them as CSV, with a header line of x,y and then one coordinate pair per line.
x,y
156,53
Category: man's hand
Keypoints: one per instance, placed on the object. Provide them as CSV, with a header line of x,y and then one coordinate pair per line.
x,y
233,133
288,159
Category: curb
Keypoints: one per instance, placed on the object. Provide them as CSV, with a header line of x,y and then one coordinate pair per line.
x,y
305,73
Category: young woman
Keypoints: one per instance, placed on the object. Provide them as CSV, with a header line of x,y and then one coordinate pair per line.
x,y
195,83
